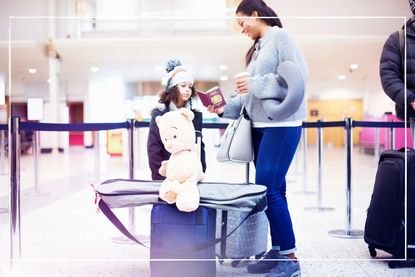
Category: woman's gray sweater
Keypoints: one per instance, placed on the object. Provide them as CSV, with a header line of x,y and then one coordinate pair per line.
x,y
275,47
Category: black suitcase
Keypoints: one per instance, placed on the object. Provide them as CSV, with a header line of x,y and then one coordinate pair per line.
x,y
173,230
385,222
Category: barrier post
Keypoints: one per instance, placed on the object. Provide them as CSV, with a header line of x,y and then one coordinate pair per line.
x,y
35,144
377,146
2,162
14,153
348,232
131,211
304,151
2,153
320,145
97,152
392,138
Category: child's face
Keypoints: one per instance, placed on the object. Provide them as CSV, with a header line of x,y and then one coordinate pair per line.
x,y
185,90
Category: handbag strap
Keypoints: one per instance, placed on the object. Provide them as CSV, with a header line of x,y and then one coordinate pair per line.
x,y
244,112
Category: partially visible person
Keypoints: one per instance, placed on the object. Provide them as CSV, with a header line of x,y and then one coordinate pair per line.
x,y
392,65
275,141
179,93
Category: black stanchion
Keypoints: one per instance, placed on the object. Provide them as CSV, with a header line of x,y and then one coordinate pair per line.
x,y
14,153
131,211
377,146
348,232
97,156
2,152
2,162
35,192
304,154
319,207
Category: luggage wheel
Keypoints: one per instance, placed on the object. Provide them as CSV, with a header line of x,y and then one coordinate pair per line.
x,y
392,264
372,251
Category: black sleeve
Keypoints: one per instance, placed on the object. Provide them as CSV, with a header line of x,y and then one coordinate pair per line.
x,y
155,147
391,73
197,123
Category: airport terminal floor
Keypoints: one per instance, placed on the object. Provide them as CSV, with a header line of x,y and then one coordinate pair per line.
x,y
63,235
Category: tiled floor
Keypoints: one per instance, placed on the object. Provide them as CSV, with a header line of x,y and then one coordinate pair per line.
x,y
62,235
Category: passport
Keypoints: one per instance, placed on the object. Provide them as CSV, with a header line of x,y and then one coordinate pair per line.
x,y
212,97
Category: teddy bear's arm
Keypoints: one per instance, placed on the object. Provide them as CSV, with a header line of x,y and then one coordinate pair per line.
x,y
163,168
197,176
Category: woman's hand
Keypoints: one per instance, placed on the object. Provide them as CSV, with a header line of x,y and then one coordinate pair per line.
x,y
219,110
241,84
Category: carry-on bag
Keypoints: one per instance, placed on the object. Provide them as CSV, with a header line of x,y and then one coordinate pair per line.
x,y
172,230
170,227
250,239
385,223
122,193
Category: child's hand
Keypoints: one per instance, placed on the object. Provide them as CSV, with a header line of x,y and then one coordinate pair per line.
x,y
219,110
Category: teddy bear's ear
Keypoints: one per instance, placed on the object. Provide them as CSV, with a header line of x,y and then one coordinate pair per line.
x,y
187,113
158,118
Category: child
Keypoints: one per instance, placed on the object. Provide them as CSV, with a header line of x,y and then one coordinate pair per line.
x,y
179,93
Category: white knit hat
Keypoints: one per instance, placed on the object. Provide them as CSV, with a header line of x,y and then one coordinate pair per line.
x,y
176,74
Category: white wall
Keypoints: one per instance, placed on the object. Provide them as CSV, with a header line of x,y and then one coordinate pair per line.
x,y
376,101
76,91
26,29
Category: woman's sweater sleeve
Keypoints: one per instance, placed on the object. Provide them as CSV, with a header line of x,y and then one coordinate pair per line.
x,y
233,107
266,83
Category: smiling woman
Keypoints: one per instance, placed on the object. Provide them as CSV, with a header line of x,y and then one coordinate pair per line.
x,y
273,47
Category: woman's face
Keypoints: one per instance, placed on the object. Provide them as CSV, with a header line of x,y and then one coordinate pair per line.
x,y
249,25
185,90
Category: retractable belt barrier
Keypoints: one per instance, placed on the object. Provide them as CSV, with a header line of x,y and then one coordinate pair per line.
x,y
17,126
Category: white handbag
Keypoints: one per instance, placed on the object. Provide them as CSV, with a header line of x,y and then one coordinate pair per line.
x,y
236,142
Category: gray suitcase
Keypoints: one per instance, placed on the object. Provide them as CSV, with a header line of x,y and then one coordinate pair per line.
x,y
250,239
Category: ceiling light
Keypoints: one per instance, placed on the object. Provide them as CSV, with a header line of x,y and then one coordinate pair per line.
x,y
354,66
94,69
32,70
342,77
223,78
223,67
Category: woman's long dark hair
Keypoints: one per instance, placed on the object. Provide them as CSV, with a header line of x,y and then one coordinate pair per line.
x,y
247,7
174,96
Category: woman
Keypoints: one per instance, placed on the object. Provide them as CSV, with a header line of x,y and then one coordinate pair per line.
x,y
179,93
274,141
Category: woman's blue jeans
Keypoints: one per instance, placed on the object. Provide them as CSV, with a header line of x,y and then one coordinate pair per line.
x,y
274,149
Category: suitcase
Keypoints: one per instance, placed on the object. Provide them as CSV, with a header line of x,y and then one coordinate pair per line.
x,y
385,222
250,239
173,232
